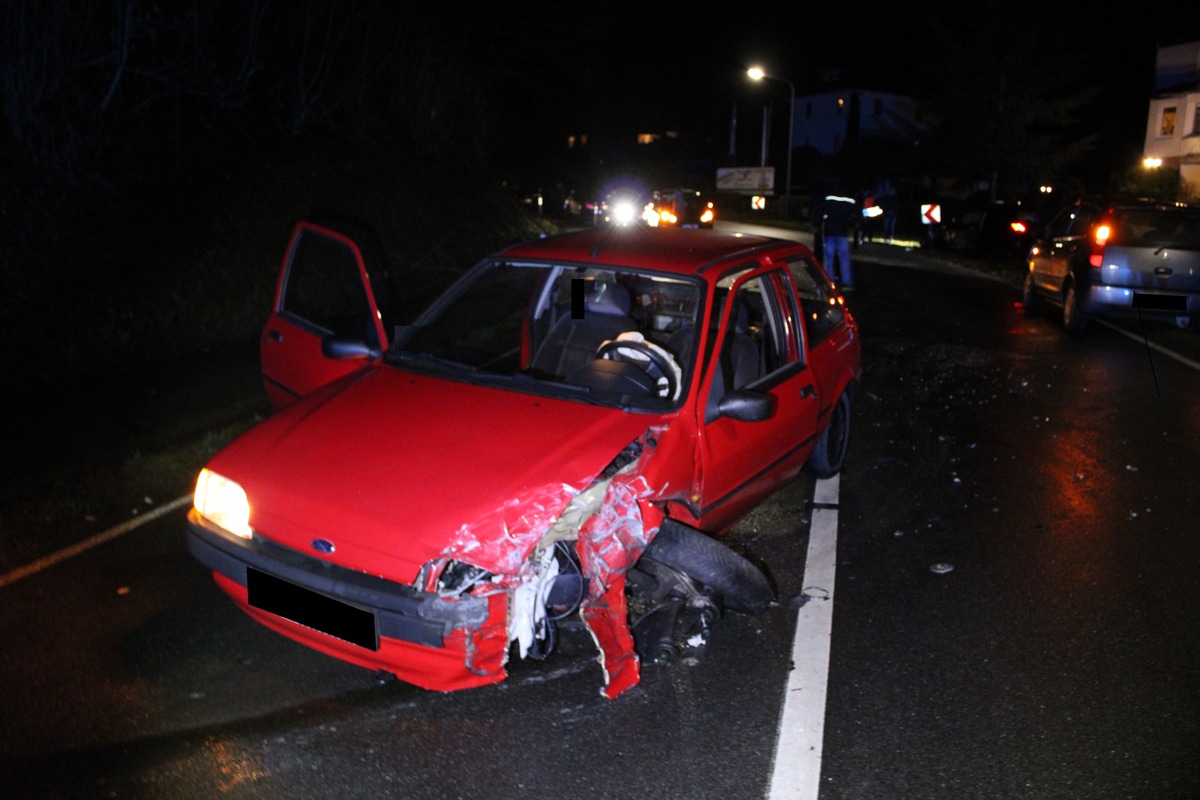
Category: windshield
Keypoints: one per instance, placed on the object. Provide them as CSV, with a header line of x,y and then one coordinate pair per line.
x,y
605,335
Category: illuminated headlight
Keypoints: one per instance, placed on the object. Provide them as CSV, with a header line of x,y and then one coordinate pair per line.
x,y
223,502
624,213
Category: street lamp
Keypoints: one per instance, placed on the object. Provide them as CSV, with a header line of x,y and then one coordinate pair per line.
x,y
757,74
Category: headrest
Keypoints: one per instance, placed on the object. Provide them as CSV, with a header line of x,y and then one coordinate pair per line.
x,y
609,299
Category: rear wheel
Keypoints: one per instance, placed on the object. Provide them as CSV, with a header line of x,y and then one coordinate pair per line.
x,y
1030,301
741,585
1074,317
829,453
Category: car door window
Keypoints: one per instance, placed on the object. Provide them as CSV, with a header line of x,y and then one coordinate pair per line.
x,y
324,289
760,341
819,305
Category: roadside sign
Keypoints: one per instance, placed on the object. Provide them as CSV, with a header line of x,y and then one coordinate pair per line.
x,y
748,180
758,202
931,213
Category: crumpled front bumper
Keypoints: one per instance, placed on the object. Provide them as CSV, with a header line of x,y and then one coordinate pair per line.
x,y
422,638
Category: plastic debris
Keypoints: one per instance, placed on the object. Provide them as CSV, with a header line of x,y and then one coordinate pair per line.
x,y
941,567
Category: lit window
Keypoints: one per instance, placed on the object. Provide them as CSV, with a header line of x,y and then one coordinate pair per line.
x,y
1168,122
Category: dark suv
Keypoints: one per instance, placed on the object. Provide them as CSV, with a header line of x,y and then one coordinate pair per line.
x,y
1137,257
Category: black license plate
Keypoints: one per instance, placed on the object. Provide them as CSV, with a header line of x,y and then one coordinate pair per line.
x,y
1160,302
312,609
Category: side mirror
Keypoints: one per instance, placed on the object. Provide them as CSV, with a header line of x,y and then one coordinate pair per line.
x,y
746,405
347,348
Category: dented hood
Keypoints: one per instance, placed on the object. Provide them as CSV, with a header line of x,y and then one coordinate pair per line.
x,y
394,468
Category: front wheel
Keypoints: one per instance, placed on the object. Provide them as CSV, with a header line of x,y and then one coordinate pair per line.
x,y
741,585
829,453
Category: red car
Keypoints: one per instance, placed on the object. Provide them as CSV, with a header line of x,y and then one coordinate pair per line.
x,y
570,428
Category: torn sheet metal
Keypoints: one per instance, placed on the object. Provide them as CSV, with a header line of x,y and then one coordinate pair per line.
x,y
502,541
609,544
611,522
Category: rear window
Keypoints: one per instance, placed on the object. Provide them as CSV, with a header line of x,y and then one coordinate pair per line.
x,y
1150,227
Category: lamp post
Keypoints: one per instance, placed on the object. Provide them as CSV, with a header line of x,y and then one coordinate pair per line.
x,y
757,74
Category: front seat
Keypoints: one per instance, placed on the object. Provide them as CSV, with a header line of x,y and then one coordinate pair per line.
x,y
738,364
573,341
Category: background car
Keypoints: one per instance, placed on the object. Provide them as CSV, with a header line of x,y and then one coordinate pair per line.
x,y
1128,257
569,429
686,208
999,227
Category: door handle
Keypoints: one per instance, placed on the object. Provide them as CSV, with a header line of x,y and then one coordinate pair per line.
x,y
275,336
807,391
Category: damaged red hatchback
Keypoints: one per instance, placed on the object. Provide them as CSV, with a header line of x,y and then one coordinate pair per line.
x,y
570,428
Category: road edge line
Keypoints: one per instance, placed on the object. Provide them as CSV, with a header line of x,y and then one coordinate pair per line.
x,y
46,562
1141,339
796,773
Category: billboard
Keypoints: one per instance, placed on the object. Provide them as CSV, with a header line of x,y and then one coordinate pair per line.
x,y
750,180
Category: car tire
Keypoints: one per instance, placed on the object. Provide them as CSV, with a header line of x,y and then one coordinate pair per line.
x,y
1030,301
1185,323
829,453
741,585
1073,316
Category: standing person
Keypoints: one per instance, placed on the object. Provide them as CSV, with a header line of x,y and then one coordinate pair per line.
x,y
887,201
818,225
838,215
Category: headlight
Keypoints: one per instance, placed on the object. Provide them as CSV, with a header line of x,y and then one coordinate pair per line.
x,y
624,212
223,502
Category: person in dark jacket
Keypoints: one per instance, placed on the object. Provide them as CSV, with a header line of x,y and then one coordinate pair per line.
x,y
838,217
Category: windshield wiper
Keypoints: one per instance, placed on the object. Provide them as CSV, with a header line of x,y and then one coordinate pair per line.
x,y
427,360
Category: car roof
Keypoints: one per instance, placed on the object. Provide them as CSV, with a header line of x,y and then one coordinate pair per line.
x,y
682,251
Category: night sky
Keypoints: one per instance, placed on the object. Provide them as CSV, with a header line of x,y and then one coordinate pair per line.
x,y
685,70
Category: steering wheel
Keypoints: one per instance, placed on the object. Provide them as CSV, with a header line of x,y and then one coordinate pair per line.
x,y
656,364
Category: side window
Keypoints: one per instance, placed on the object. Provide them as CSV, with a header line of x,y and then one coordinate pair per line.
x,y
1059,226
325,290
1081,221
818,302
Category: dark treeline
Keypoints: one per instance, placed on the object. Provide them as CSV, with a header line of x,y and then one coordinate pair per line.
x,y
126,125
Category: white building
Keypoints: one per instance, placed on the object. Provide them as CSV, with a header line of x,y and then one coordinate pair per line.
x,y
1173,124
826,121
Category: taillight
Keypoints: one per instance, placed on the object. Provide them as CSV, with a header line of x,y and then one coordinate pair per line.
x,y
1100,235
1018,226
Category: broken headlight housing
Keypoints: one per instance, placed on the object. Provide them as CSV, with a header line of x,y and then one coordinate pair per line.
x,y
449,577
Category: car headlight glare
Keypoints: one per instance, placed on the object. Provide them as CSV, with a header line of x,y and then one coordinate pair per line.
x,y
223,502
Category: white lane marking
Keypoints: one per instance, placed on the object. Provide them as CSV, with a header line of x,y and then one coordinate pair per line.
x,y
797,770
1137,337
87,544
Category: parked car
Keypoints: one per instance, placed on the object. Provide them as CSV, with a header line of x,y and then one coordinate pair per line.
x,y
1001,227
570,428
1130,257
